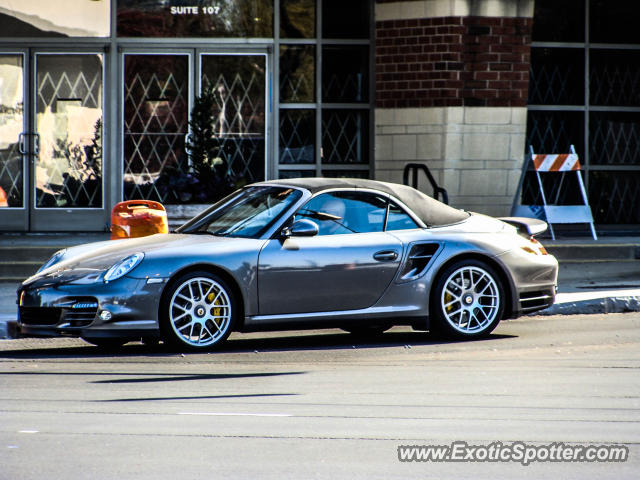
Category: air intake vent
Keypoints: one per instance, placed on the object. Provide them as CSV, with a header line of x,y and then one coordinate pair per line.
x,y
418,260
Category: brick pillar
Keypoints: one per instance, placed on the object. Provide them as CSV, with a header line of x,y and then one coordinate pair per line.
x,y
451,91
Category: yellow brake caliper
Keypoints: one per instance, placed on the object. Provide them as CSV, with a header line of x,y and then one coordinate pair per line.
x,y
447,300
216,311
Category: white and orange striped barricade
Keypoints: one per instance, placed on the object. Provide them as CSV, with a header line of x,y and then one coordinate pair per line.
x,y
563,163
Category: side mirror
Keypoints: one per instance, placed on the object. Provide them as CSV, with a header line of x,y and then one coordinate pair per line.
x,y
301,228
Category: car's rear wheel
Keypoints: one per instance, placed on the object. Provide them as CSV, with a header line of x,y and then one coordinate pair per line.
x,y
197,312
467,301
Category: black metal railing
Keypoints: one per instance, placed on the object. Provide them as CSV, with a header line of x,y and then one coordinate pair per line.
x,y
412,169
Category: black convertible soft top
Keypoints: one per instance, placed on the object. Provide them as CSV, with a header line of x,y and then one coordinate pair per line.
x,y
432,212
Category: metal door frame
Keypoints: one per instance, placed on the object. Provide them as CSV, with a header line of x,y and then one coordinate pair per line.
x,y
268,89
75,218
17,218
150,51
195,52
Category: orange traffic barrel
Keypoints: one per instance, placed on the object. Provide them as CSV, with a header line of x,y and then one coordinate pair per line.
x,y
138,218
3,198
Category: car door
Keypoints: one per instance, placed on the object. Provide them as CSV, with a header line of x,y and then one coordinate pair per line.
x,y
346,266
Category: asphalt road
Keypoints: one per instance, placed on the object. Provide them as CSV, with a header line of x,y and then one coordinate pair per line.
x,y
316,404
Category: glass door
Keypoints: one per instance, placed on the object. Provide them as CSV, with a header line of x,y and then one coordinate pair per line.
x,y
194,124
66,143
237,83
13,125
155,124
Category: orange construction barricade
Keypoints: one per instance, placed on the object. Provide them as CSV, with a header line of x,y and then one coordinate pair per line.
x,y
138,218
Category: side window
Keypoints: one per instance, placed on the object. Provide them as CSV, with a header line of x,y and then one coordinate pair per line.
x,y
345,212
398,219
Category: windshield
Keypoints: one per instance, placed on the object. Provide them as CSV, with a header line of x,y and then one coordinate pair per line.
x,y
247,213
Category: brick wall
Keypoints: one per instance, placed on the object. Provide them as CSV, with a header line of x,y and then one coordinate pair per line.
x,y
452,61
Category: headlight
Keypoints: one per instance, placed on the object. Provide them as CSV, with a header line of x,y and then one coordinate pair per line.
x,y
123,267
55,258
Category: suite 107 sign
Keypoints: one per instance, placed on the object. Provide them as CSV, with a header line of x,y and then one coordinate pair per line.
x,y
196,10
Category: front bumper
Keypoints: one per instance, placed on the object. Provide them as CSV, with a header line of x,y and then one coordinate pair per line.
x,y
68,309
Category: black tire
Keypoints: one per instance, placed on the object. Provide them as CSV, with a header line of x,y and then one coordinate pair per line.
x,y
366,331
467,301
106,343
197,311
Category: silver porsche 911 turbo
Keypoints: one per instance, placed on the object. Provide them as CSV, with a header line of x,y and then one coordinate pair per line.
x,y
359,255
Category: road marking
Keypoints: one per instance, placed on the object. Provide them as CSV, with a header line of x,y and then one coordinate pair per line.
x,y
226,414
28,431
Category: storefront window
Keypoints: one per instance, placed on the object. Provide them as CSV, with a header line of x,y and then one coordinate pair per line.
x,y
297,134
614,21
584,91
615,77
297,18
346,19
555,21
345,74
62,18
345,136
614,138
297,73
557,76
205,18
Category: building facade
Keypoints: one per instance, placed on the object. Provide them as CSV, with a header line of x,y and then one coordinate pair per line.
x,y
110,100
470,86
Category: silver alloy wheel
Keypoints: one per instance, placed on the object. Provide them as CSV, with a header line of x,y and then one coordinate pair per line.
x,y
470,299
200,312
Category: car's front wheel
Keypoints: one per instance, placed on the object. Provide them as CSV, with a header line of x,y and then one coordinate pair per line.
x,y
467,300
197,312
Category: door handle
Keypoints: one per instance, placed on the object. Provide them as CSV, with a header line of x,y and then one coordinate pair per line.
x,y
385,255
21,147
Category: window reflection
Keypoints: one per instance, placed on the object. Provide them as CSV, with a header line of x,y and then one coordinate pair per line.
x,y
345,136
297,136
62,18
297,18
238,113
155,124
11,125
68,170
297,73
345,212
204,18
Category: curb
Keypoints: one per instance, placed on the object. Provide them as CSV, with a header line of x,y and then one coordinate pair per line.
x,y
619,304
4,325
